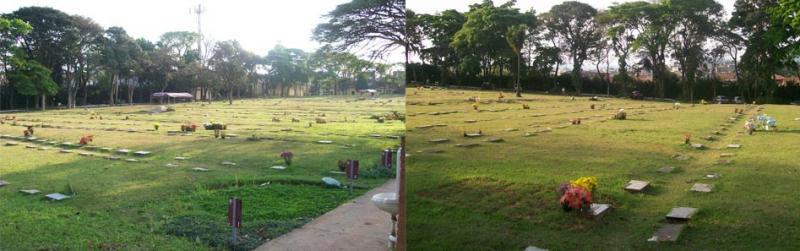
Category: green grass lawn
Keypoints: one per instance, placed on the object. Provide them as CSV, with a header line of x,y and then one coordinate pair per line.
x,y
502,196
147,205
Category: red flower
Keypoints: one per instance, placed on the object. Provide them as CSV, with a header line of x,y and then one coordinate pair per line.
x,y
576,198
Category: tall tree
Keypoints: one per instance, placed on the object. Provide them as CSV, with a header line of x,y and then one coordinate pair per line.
x,y
228,62
31,79
575,23
695,21
377,24
11,31
624,23
515,37
119,54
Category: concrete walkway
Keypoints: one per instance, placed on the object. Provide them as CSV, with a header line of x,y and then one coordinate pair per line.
x,y
355,225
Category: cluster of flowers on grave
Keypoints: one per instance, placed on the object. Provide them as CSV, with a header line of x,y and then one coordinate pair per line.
x,y
214,126
189,127
287,157
577,194
86,139
687,138
766,121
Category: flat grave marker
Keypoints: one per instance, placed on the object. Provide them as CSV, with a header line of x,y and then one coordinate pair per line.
x,y
666,169
725,155
494,140
57,196
473,135
142,153
123,151
636,185
11,143
29,191
439,141
697,146
734,146
468,145
325,142
181,158
228,163
667,232
711,176
3,183
65,151
132,160
85,154
701,187
278,167
112,158
200,169
599,210
681,213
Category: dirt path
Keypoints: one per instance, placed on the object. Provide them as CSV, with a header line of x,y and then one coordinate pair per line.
x,y
356,225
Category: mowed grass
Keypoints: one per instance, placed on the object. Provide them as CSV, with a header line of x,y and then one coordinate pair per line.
x,y
148,205
502,196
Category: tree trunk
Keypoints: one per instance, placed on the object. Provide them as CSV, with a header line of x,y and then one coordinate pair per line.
x,y
44,102
111,90
518,87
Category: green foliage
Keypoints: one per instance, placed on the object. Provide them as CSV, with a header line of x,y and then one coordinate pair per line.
x,y
31,78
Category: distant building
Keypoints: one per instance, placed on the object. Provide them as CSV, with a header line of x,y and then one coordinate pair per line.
x,y
786,81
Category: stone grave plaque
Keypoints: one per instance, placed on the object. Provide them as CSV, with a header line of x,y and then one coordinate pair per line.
x,y
511,129
200,169
666,169
467,145
473,135
65,151
84,154
440,125
3,183
494,140
123,151
424,126
528,134
57,196
325,142
734,146
181,158
29,191
278,167
532,248
668,232
711,176
636,185
599,210
682,157
170,165
702,188
12,143
393,136
31,146
697,146
375,135
43,148
470,121
228,163
142,153
106,149
681,213
132,160
112,158
439,140
725,155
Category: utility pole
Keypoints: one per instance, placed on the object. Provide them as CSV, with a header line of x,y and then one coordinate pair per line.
x,y
199,12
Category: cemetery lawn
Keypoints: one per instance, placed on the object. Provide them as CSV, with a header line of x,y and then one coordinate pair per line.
x,y
148,205
502,196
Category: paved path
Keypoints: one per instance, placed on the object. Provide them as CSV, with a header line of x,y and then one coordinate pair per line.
x,y
356,225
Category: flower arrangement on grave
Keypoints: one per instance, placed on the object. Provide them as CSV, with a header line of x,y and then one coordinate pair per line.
x,y
687,138
500,96
86,139
156,126
287,157
342,164
190,127
475,106
525,107
621,115
577,194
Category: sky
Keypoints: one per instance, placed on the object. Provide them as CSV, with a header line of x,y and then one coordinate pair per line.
x,y
257,25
